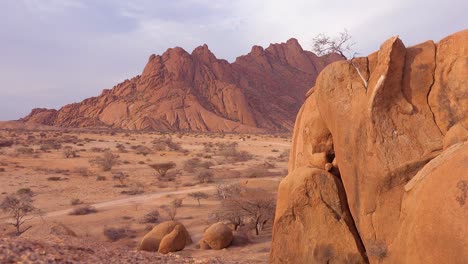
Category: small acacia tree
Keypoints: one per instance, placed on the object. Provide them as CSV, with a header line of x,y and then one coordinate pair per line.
x,y
198,196
163,168
20,208
323,45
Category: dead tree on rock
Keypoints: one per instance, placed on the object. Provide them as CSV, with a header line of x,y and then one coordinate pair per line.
x,y
323,45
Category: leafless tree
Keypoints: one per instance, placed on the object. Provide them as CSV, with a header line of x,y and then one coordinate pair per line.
x,y
250,205
21,209
323,44
170,211
227,212
228,190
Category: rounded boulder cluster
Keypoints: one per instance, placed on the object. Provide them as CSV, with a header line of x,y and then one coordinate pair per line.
x,y
217,236
169,236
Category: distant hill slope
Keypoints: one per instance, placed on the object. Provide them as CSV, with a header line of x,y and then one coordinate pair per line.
x,y
177,91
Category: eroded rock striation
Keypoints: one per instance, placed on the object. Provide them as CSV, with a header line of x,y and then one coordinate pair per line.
x,y
177,91
379,173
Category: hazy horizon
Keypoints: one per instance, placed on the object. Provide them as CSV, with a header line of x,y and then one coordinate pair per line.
x,y
55,52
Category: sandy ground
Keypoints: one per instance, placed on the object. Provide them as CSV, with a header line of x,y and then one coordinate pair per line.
x,y
56,181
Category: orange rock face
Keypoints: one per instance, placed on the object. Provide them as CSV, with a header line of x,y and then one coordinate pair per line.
x,y
388,160
178,91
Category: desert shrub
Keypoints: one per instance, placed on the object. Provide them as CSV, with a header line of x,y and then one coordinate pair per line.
x,y
173,145
177,202
101,178
69,152
159,146
4,143
82,171
50,144
55,178
106,161
205,176
188,184
24,151
151,217
2,169
142,150
193,164
114,234
84,210
135,189
76,201
121,148
274,150
25,191
121,177
98,150
230,152
164,143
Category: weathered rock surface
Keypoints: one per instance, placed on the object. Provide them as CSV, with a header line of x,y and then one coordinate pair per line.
x,y
169,236
217,236
388,161
174,241
178,91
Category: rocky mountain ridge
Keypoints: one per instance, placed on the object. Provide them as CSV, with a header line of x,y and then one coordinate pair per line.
x,y
178,91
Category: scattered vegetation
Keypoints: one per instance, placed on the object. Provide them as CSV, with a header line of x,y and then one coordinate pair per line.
x,y
76,201
114,234
84,210
151,217
69,152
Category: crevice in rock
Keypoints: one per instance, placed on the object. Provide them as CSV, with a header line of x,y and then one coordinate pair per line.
x,y
348,218
430,90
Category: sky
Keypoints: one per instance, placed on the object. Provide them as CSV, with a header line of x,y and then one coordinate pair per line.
x,y
55,52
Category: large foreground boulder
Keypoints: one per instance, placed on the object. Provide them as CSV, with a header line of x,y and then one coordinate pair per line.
x,y
166,237
378,168
217,236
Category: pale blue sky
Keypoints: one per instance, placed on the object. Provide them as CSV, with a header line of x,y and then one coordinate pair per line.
x,y
54,52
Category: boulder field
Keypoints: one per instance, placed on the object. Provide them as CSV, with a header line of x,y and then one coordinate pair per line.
x,y
378,170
